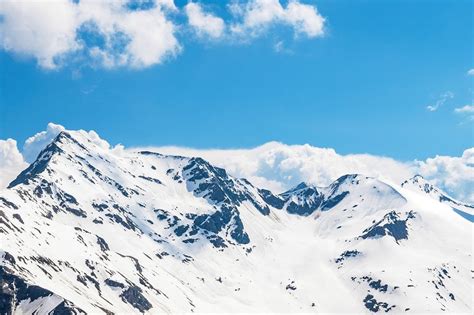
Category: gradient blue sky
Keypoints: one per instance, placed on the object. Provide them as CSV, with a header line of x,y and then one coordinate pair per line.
x,y
362,88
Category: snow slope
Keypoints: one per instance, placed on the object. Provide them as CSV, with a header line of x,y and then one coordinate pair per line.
x,y
87,230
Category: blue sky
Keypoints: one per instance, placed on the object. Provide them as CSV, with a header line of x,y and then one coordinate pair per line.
x,y
362,87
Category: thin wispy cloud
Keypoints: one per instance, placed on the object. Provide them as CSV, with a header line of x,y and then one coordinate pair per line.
x,y
465,109
128,33
440,101
470,72
88,90
281,48
467,112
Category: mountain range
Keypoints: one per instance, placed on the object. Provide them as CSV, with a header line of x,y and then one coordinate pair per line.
x,y
84,230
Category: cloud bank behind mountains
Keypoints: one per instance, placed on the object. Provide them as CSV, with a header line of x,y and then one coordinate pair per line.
x,y
11,162
277,166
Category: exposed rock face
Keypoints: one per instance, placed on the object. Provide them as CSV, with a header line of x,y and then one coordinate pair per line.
x,y
15,292
392,224
133,295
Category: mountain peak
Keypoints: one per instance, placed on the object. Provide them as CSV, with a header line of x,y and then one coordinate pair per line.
x,y
419,183
417,178
61,144
301,185
303,199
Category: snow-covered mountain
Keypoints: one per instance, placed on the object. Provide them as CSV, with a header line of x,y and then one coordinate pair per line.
x,y
418,183
87,230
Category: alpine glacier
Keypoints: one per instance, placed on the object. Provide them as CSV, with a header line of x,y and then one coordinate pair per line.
x,y
86,230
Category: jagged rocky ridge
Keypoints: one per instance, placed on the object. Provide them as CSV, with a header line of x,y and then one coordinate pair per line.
x,y
86,230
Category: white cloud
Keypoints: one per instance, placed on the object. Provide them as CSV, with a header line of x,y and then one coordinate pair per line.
x,y
258,15
470,72
110,34
465,109
305,19
47,30
453,174
34,144
204,23
11,162
440,102
135,38
468,113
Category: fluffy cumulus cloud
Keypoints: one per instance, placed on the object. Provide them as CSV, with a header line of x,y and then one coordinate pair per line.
x,y
110,32
454,174
204,23
137,38
256,16
45,30
11,161
277,166
134,33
